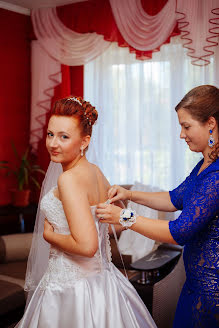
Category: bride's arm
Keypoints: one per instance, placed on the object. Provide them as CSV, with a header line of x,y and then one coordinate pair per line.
x,y
83,239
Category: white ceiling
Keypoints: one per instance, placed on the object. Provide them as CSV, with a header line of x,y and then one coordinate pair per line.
x,y
31,4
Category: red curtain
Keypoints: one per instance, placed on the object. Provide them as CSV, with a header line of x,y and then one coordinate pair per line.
x,y
96,16
14,91
72,84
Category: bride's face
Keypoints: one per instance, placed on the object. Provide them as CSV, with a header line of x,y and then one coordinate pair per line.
x,y
63,140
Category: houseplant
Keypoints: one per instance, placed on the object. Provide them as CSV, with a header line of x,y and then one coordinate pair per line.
x,y
25,171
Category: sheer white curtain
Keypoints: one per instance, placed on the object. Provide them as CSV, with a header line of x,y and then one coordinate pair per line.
x,y
137,134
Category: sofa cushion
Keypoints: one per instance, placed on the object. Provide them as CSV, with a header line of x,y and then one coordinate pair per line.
x,y
14,269
16,247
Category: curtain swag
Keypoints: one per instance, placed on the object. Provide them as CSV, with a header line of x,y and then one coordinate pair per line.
x,y
61,43
198,22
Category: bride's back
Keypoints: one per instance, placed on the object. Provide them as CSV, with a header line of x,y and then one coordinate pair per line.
x,y
95,183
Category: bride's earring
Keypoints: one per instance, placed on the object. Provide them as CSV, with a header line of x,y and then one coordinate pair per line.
x,y
82,152
211,141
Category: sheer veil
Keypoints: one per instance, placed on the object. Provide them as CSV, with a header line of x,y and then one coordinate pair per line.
x,y
39,252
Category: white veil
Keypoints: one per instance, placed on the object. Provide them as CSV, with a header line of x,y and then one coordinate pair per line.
x,y
39,252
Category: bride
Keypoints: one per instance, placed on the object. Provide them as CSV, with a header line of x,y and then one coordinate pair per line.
x,y
70,279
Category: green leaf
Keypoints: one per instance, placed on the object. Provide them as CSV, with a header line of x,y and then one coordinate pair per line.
x,y
26,175
25,154
39,170
35,166
4,167
35,182
14,150
22,169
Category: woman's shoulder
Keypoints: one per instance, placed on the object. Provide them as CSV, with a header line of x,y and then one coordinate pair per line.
x,y
71,177
214,167
96,169
65,179
212,171
82,174
208,180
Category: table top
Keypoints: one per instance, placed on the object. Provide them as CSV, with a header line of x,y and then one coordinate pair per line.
x,y
155,260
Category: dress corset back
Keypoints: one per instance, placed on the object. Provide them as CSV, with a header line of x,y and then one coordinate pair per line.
x,y
66,269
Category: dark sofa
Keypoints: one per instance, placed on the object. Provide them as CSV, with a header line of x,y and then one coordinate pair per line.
x,y
14,250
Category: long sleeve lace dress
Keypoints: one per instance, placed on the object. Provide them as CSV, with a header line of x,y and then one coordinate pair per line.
x,y
197,228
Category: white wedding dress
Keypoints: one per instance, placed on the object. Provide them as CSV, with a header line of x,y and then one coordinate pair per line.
x,y
82,292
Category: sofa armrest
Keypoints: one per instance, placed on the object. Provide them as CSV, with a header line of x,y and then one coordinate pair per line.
x,y
15,247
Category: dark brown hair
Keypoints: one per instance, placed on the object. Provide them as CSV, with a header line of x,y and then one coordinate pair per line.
x,y
78,108
203,102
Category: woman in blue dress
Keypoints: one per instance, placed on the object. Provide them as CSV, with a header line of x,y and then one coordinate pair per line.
x,y
197,227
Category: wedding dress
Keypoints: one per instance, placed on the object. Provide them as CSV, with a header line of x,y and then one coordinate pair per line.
x,y
77,291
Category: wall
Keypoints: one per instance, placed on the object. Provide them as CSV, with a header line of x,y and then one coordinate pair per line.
x,y
14,90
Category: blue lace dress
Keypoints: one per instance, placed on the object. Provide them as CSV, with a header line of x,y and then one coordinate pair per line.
x,y
197,228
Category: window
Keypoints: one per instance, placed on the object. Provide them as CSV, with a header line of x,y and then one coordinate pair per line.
x,y
137,134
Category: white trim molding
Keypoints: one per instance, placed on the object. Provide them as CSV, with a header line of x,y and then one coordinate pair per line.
x,y
15,8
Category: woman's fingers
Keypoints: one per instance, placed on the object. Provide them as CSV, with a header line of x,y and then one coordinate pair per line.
x,y
116,193
104,217
102,206
106,220
108,213
46,222
113,191
48,226
114,199
101,210
101,213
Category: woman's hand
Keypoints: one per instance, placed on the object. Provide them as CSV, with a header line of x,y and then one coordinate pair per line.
x,y
48,226
47,229
108,213
116,193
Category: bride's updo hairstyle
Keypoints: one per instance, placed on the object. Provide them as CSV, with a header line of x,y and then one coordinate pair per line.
x,y
201,103
79,109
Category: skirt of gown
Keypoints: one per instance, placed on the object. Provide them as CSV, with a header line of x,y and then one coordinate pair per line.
x,y
102,300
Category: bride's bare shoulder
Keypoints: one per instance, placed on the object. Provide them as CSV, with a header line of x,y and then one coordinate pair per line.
x,y
81,175
66,178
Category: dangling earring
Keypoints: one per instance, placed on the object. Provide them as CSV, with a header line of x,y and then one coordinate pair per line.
x,y
82,152
211,141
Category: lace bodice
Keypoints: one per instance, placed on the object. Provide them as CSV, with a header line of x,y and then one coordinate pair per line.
x,y
197,228
65,269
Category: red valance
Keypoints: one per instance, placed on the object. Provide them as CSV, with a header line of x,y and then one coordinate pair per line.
x,y
96,16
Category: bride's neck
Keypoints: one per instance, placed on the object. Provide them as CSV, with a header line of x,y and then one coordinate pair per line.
x,y
76,162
